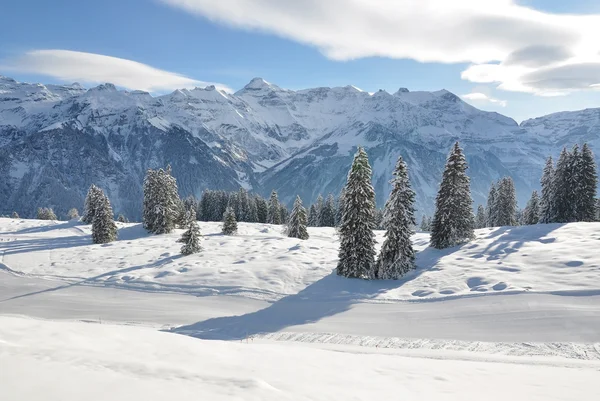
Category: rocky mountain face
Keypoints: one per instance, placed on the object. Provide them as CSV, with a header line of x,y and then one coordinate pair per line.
x,y
56,140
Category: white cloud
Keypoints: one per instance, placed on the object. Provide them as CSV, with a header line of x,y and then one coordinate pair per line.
x,y
478,96
504,41
91,68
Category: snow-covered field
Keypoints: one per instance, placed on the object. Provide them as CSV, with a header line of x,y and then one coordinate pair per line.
x,y
515,313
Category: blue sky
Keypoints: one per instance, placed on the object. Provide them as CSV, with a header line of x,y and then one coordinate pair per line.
x,y
306,44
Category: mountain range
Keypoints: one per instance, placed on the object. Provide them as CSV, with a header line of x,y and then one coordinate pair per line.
x,y
56,140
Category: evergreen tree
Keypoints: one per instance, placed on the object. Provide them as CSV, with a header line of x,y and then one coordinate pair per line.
x,y
91,200
424,226
327,217
122,219
598,209
357,240
313,217
506,203
480,220
453,220
73,214
587,183
564,186
191,238
340,208
296,227
46,214
283,214
319,204
491,209
243,205
531,214
274,213
252,215
229,222
262,209
104,229
161,201
548,198
14,215
378,220
397,256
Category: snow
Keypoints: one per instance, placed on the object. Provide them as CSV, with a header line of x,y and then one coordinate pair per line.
x,y
514,313
140,363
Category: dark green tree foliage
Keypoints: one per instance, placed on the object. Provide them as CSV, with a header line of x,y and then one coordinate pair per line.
x,y
122,219
453,220
491,216
531,214
357,240
229,222
587,183
14,215
339,209
547,200
397,256
327,217
564,185
480,220
91,200
191,239
319,204
104,229
506,203
313,216
378,220
262,209
283,213
274,212
161,201
296,226
252,215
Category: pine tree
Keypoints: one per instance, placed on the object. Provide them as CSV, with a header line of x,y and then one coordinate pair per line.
x,y
564,187
397,256
491,210
46,214
73,214
296,226
597,209
313,217
548,198
91,201
587,183
319,204
283,214
327,217
357,240
161,201
122,219
14,215
229,222
104,229
531,214
262,209
453,220
378,220
424,226
506,203
339,208
480,218
252,215
191,239
274,213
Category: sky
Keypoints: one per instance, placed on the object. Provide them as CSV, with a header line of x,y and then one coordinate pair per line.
x,y
521,58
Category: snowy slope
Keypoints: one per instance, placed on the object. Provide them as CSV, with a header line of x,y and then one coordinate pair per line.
x,y
73,361
262,137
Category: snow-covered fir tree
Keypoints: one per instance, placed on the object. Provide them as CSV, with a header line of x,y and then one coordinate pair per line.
x,y
339,208
91,200
587,183
491,210
397,256
283,213
122,219
357,240
453,219
547,200
480,219
319,204
296,226
73,214
46,213
327,217
104,229
313,217
597,209
262,209
252,215
506,203
229,222
191,239
378,220
531,213
161,201
243,205
424,224
14,215
274,212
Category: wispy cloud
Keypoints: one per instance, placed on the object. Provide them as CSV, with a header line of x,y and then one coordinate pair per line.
x,y
482,97
90,68
507,43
